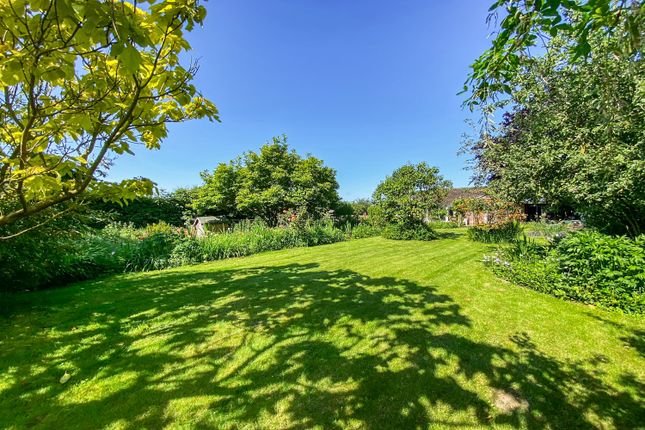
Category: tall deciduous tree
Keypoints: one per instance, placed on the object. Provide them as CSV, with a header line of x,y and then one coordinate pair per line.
x,y
82,81
410,193
575,137
266,183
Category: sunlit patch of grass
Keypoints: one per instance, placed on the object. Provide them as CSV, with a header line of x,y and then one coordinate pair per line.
x,y
363,334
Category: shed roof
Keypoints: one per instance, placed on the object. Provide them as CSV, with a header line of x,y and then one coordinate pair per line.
x,y
210,219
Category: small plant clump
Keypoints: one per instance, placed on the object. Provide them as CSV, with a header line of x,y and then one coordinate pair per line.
x,y
495,233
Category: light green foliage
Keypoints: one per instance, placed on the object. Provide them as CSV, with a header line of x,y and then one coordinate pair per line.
x,y
575,138
185,198
267,183
365,334
81,82
410,194
217,195
527,24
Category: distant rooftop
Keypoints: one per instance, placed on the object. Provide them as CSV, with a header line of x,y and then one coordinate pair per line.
x,y
464,193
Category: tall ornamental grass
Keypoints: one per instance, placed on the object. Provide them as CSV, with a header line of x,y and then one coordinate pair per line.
x,y
495,233
252,238
119,248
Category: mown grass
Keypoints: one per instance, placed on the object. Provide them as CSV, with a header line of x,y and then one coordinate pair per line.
x,y
369,334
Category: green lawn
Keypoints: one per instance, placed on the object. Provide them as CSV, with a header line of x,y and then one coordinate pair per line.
x,y
369,334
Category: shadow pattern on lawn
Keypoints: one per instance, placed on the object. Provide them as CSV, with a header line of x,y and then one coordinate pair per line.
x,y
333,349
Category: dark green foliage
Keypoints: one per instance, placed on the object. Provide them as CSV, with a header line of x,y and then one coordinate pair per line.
x,y
344,214
361,206
40,260
353,213
409,231
585,266
147,210
602,269
364,229
32,254
495,233
31,260
376,216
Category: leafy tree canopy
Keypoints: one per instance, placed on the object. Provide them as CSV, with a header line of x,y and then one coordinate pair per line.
x,y
81,82
266,183
530,24
410,194
574,137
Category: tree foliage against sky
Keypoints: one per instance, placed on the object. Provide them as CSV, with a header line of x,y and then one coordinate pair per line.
x,y
527,25
410,193
81,82
266,183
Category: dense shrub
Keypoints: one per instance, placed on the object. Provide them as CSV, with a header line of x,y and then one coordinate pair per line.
x,y
40,261
364,230
31,260
585,266
409,231
603,269
495,233
32,255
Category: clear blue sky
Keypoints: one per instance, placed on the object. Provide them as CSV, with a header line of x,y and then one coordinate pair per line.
x,y
364,85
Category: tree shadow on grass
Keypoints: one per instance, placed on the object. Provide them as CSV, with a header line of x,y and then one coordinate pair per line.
x,y
632,337
441,234
291,346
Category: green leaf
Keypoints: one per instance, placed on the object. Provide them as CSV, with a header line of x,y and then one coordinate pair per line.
x,y
130,58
